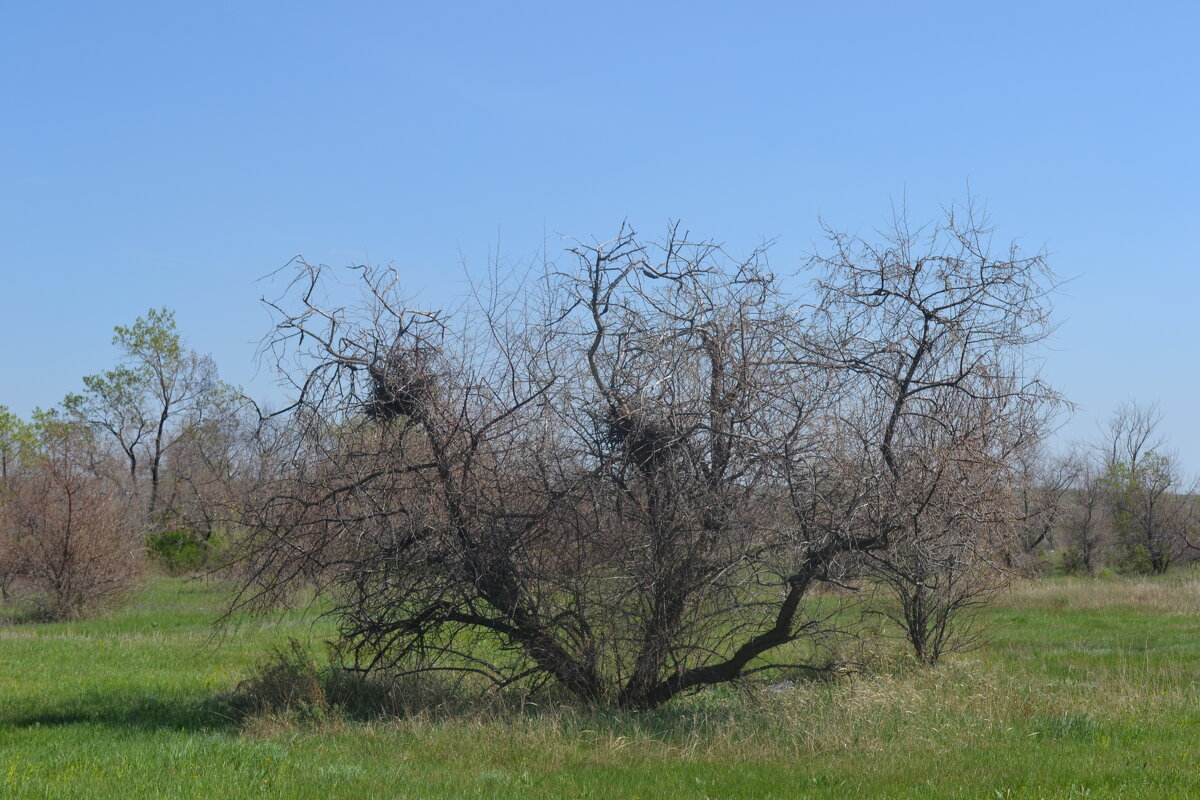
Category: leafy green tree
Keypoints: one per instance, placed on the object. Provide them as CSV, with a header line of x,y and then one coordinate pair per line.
x,y
115,402
1148,512
144,402
16,436
18,440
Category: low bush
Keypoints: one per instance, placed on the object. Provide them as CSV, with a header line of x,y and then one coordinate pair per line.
x,y
177,551
1134,560
1072,562
290,683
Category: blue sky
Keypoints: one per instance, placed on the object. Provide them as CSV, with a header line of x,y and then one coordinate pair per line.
x,y
172,154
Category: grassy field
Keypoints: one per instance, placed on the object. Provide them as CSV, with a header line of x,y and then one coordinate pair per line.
x,y
1086,689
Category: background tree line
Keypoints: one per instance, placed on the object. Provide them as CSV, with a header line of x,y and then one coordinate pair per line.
x,y
1119,503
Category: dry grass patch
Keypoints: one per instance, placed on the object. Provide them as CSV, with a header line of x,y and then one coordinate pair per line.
x,y
1177,593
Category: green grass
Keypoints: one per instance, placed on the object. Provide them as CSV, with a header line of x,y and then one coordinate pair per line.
x,y
1086,689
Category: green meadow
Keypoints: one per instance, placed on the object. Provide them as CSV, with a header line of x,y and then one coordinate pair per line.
x,y
1084,689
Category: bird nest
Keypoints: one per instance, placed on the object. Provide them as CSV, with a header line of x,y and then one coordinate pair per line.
x,y
401,384
647,441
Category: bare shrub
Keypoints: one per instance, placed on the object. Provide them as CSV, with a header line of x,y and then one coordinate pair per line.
x,y
933,327
68,530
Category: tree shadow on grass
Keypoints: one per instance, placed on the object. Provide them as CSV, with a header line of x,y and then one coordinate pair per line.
x,y
133,712
292,687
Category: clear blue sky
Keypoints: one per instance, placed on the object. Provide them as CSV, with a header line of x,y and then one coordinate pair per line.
x,y
171,154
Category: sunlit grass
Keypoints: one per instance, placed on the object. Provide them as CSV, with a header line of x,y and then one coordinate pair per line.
x,y
1086,689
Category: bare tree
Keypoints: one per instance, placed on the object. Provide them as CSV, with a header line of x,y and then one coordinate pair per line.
x,y
204,472
936,328
1044,483
630,477
1086,516
961,528
1130,434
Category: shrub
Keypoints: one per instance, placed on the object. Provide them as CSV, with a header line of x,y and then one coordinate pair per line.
x,y
1135,559
1073,562
68,531
291,683
178,551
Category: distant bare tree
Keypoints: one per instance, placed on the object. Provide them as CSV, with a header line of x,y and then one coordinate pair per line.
x,y
1045,482
1130,434
1086,519
204,473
